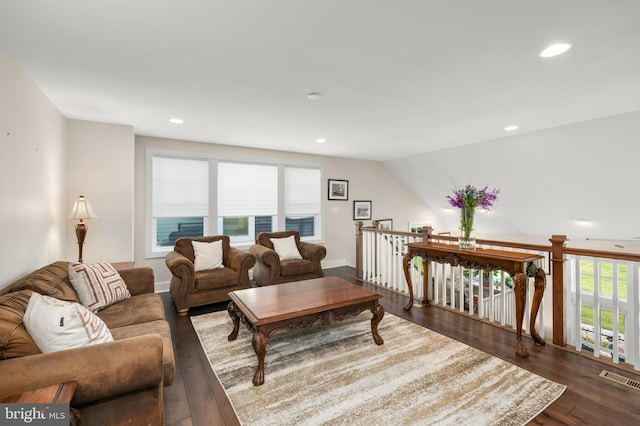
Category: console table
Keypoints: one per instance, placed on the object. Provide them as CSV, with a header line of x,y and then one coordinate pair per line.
x,y
518,265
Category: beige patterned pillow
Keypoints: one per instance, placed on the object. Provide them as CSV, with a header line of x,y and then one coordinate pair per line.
x,y
98,285
56,325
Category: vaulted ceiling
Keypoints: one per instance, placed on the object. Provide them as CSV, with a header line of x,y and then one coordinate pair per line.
x,y
395,78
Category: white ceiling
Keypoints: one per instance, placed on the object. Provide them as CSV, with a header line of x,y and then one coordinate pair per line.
x,y
397,77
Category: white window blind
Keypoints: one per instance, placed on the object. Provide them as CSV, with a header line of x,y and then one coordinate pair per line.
x,y
180,187
247,190
302,191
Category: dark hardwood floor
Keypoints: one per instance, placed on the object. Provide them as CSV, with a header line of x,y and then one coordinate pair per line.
x,y
197,398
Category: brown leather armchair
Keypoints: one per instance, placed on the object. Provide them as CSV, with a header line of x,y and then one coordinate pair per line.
x,y
190,288
269,269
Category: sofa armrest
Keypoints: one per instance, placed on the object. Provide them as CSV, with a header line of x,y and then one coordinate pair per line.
x,y
138,280
240,260
265,255
179,265
101,371
312,252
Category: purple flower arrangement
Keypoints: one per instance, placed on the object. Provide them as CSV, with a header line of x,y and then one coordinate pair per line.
x,y
471,197
467,199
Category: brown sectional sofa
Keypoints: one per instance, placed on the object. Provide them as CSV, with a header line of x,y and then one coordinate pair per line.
x,y
119,382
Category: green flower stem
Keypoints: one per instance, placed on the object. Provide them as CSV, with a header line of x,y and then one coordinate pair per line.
x,y
466,221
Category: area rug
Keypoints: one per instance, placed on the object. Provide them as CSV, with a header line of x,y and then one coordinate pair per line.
x,y
338,375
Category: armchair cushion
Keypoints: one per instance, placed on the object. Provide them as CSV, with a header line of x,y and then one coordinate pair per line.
x,y
296,267
286,248
207,255
217,278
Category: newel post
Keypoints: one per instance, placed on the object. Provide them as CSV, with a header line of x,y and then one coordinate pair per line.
x,y
427,232
359,249
557,265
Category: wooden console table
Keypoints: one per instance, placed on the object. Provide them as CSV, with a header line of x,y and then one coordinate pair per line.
x,y
518,265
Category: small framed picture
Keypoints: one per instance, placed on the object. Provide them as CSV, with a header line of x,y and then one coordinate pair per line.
x,y
338,189
361,210
385,224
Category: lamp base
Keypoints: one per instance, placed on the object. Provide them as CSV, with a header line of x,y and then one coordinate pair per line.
x,y
81,233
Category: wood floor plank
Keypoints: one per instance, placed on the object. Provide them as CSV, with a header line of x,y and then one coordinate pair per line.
x,y
197,398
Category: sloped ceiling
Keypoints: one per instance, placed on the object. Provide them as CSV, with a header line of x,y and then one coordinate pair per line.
x,y
397,78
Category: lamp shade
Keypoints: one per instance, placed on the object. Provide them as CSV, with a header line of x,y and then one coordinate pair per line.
x,y
82,210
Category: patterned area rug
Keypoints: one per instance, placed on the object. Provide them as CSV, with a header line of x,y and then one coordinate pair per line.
x,y
338,375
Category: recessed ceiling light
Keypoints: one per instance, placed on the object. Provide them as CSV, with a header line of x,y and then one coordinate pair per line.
x,y
511,128
176,121
321,140
314,95
555,50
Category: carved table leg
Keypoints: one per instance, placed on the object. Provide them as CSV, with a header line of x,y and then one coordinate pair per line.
x,y
378,313
520,293
407,275
231,309
539,285
425,282
260,347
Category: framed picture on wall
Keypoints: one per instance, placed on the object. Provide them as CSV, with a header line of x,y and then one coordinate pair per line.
x,y
338,189
385,224
361,210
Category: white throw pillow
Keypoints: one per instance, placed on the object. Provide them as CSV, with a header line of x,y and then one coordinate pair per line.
x,y
98,285
55,324
286,248
208,255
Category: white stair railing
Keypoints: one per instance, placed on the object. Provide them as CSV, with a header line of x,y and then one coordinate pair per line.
x,y
603,308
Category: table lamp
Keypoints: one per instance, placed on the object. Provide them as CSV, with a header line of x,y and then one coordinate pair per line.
x,y
81,210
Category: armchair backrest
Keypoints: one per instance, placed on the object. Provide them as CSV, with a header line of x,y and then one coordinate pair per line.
x,y
264,238
185,248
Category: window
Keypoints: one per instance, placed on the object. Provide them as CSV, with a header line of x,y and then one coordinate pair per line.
x,y
243,198
180,200
302,195
247,194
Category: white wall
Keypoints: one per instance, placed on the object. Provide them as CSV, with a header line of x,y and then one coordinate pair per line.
x,y
548,180
32,167
368,180
100,164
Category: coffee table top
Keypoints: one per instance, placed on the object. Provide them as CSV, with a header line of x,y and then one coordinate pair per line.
x,y
290,300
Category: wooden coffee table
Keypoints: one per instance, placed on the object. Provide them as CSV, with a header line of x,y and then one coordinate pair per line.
x,y
297,305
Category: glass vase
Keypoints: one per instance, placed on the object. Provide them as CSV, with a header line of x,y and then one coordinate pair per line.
x,y
466,239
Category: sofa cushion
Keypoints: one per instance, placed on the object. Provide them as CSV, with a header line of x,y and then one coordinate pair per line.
x,y
296,267
98,285
216,278
15,341
207,255
56,325
153,327
138,309
50,280
286,248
